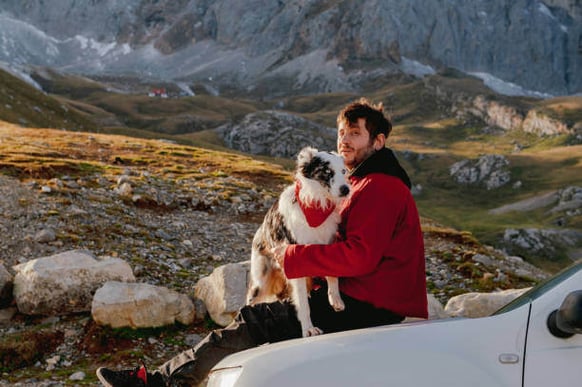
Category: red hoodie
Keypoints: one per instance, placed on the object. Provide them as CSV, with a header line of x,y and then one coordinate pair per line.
x,y
379,253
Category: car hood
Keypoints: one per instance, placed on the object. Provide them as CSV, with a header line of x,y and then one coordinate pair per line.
x,y
296,349
457,351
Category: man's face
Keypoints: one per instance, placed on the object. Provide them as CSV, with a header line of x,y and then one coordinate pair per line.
x,y
353,143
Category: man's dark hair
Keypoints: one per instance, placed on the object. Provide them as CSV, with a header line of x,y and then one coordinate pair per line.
x,y
376,121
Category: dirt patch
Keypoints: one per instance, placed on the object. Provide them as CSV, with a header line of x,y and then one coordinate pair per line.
x,y
23,349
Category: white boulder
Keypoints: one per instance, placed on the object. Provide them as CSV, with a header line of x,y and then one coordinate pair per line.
x,y
476,304
224,291
64,283
139,305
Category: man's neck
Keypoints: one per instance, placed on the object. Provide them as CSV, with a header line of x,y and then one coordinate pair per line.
x,y
355,168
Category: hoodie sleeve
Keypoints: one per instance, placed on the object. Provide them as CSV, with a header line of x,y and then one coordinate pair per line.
x,y
375,210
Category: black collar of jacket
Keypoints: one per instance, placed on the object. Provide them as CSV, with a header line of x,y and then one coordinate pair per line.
x,y
383,161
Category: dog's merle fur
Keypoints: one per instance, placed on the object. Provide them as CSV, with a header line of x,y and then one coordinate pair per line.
x,y
322,180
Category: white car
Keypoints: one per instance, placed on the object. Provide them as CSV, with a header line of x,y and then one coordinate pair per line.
x,y
535,341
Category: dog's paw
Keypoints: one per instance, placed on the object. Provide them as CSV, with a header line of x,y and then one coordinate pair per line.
x,y
336,302
313,331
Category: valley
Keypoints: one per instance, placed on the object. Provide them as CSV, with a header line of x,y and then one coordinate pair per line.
x,y
438,120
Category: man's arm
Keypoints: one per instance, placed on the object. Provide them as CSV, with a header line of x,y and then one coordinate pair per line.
x,y
374,216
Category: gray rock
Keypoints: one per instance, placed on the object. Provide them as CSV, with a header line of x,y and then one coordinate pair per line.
x,y
45,236
124,189
542,125
224,291
543,243
276,134
77,376
483,259
64,283
569,201
500,115
475,304
489,170
138,305
192,340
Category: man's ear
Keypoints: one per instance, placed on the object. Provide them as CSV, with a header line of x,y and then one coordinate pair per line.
x,y
379,141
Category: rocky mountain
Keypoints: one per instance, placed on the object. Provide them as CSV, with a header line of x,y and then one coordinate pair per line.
x,y
276,134
504,168
302,46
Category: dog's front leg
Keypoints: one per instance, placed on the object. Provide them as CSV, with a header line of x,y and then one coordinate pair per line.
x,y
333,294
299,299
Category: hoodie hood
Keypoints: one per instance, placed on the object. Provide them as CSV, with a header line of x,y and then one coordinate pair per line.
x,y
383,161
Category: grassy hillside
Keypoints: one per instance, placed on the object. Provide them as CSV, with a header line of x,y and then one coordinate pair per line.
x,y
22,104
112,106
430,138
428,135
25,154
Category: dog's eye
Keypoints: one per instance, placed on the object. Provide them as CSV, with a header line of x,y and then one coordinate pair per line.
x,y
343,171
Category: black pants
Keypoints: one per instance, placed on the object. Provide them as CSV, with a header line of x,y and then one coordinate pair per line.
x,y
266,323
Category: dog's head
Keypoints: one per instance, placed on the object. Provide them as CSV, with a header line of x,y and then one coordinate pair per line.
x,y
322,175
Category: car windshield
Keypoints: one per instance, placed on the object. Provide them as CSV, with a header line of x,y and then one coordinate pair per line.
x,y
541,288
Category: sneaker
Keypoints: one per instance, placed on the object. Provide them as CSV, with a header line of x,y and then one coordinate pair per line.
x,y
137,377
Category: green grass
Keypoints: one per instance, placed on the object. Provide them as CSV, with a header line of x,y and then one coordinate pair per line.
x,y
172,115
24,105
543,165
568,109
82,154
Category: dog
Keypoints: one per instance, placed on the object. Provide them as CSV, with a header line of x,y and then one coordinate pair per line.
x,y
306,213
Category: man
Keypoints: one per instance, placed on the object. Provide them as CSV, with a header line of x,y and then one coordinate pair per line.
x,y
378,257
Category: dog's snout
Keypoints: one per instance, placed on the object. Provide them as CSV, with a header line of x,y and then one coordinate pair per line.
x,y
344,190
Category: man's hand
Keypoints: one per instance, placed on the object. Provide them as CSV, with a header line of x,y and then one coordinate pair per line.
x,y
279,253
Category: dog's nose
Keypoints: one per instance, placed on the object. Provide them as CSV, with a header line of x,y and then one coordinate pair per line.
x,y
344,190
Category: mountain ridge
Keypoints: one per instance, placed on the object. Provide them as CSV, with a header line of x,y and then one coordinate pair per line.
x,y
308,46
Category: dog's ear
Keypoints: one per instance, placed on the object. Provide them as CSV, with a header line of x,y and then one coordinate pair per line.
x,y
305,155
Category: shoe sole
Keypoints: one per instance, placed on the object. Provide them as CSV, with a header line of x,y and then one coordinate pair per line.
x,y
101,378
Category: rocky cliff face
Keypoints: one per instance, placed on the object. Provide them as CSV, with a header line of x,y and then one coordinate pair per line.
x,y
276,134
305,45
